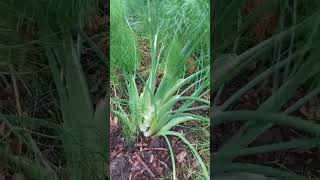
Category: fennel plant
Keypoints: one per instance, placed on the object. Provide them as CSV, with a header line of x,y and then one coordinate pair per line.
x,y
150,106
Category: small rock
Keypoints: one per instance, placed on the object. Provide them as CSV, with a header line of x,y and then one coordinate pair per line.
x,y
181,156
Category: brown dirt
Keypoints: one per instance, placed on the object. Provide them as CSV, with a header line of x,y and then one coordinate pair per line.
x,y
148,158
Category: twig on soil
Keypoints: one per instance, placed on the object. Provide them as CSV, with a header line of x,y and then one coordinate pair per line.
x,y
163,163
16,91
149,149
145,165
151,158
116,152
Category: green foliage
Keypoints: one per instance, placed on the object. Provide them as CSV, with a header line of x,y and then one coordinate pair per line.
x,y
84,136
82,133
124,54
294,63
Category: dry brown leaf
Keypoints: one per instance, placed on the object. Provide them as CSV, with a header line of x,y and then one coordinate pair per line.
x,y
192,66
266,24
114,121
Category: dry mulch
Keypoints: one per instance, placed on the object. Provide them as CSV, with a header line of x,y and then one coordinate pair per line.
x,y
148,158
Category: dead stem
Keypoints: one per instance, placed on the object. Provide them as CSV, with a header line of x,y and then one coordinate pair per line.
x,y
145,165
16,90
